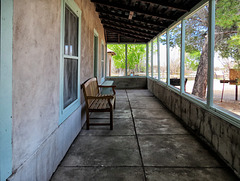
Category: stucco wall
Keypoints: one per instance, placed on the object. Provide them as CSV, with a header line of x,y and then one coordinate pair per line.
x,y
220,135
36,62
37,137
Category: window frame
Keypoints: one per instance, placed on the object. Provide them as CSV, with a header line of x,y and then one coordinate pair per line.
x,y
6,52
208,104
66,112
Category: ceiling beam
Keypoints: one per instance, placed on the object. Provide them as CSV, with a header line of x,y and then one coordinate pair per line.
x,y
126,33
128,8
166,4
122,34
131,24
130,30
135,19
134,28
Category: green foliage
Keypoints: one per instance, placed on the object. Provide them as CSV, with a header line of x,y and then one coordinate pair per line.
x,y
119,58
228,29
192,60
135,56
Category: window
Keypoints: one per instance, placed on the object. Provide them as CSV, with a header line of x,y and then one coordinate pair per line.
x,y
174,52
70,62
227,57
163,57
196,53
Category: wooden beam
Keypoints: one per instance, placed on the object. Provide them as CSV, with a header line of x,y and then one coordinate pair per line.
x,y
135,20
136,10
166,4
131,24
130,35
131,13
128,29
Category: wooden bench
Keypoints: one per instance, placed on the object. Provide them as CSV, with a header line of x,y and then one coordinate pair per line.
x,y
96,102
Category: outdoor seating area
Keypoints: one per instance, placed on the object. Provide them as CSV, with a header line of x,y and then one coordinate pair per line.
x,y
119,90
147,143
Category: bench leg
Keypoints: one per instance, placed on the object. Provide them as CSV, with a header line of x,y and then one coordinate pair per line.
x,y
87,114
111,119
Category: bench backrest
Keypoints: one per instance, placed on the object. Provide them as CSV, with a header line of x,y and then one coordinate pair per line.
x,y
90,88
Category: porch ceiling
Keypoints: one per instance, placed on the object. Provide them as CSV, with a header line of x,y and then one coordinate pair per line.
x,y
138,21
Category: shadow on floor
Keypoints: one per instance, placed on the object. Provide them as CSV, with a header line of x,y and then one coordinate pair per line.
x,y
146,143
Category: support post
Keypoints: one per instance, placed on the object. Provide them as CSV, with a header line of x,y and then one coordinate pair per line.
x,y
158,57
211,40
126,60
168,59
152,58
147,72
182,68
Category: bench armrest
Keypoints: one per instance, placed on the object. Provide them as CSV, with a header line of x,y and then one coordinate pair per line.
x,y
109,86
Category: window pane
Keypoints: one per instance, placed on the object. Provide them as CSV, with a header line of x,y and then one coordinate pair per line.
x,y
149,59
71,33
175,47
136,59
163,57
155,64
196,53
70,81
227,56
117,62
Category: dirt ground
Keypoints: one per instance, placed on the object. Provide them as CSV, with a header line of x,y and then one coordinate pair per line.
x,y
228,102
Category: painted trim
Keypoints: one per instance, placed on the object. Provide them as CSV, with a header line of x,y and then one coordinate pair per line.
x,y
211,40
65,113
182,58
126,60
147,71
6,50
158,58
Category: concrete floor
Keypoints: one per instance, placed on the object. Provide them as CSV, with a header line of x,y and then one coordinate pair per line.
x,y
146,143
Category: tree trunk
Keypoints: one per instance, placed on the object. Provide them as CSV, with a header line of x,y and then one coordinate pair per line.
x,y
200,84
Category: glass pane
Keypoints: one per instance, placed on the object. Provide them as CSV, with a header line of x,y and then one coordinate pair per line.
x,y
70,81
155,64
227,56
163,57
174,52
149,59
71,33
196,53
136,59
116,62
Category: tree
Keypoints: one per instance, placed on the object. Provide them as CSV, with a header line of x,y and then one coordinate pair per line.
x,y
135,57
227,39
